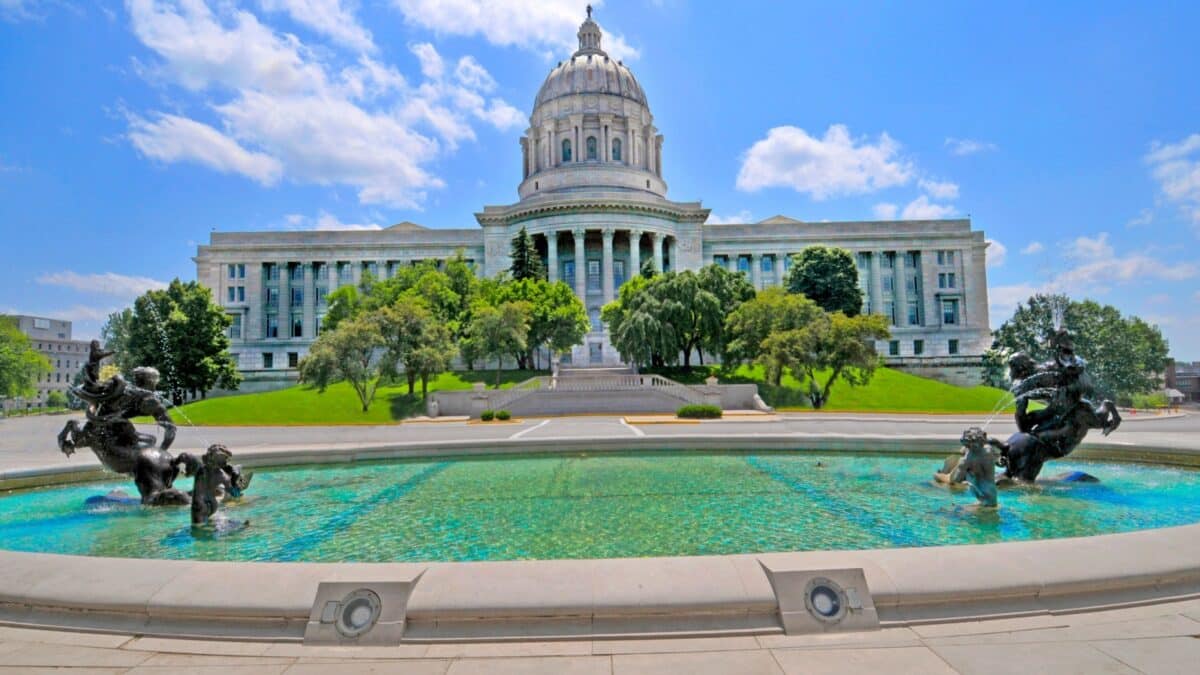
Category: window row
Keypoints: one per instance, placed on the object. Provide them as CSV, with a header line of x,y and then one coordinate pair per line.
x,y
294,328
268,360
918,347
592,152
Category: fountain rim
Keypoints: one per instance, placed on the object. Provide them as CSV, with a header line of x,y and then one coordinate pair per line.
x,y
547,599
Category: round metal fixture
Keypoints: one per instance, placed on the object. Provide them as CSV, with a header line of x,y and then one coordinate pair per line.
x,y
825,600
358,613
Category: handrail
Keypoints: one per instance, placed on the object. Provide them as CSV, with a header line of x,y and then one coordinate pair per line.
x,y
596,383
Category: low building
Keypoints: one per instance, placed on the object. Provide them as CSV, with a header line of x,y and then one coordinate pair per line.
x,y
1185,378
593,196
52,339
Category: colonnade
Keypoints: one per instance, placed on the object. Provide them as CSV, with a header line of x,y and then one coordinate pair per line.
x,y
659,251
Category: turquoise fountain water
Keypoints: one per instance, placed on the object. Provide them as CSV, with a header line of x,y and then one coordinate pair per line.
x,y
600,506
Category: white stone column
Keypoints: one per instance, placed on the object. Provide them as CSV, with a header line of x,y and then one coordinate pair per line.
x,y
254,328
635,254
656,242
780,268
876,283
756,271
356,272
731,262
606,264
628,156
552,256
580,265
310,300
285,300
900,289
932,312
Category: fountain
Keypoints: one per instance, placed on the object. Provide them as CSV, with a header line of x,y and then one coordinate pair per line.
x,y
121,448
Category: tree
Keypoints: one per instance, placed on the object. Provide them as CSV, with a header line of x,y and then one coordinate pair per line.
x,y
181,332
56,399
20,365
402,324
773,311
838,345
829,277
1124,354
690,312
634,324
344,304
557,317
526,263
731,289
431,357
348,353
115,336
499,331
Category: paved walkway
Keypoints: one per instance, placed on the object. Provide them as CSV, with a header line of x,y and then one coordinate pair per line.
x,y
1154,639
30,442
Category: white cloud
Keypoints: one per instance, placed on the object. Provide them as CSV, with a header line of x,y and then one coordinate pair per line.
x,y
968,146
885,211
1033,247
939,189
997,253
1094,268
922,209
108,283
548,27
831,166
20,10
741,217
170,138
331,18
284,112
1144,217
1176,167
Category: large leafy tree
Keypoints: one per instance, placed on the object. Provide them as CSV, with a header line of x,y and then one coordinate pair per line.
x,y
557,317
1124,353
499,331
634,323
773,311
350,353
731,290
834,347
526,263
115,336
20,365
181,332
829,277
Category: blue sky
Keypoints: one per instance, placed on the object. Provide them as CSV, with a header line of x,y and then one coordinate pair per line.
x,y
1069,132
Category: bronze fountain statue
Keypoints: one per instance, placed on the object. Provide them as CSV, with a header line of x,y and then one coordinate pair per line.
x,y
1063,386
121,448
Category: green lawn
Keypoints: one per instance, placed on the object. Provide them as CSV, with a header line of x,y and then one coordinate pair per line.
x,y
337,405
889,391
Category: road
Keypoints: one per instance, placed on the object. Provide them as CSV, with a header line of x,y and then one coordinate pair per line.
x,y
29,442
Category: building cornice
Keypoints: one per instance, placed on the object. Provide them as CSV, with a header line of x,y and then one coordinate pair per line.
x,y
604,202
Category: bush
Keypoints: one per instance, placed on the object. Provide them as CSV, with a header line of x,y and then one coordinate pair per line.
x,y
699,412
503,415
56,399
1157,399
487,415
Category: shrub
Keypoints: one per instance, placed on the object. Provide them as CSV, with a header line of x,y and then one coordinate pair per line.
x,y
56,399
487,415
699,412
1157,399
503,415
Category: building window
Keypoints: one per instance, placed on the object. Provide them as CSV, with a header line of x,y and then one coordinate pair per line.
x,y
241,293
268,360
914,313
296,272
911,284
889,310
946,280
594,317
912,259
344,275
271,271
42,324
888,283
293,359
233,271
297,325
566,150
893,348
318,269
371,268
591,147
785,262
232,293
235,328
297,296
241,270
317,325
616,152
272,326
618,272
888,261
952,348
743,264
945,257
950,312
569,271
272,297
918,347
593,275
767,264
321,293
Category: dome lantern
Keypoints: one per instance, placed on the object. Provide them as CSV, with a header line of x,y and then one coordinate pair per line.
x,y
589,36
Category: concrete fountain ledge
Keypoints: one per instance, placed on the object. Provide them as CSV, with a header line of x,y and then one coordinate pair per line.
x,y
710,595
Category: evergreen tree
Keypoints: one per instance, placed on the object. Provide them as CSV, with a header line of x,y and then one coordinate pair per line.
x,y
526,263
828,277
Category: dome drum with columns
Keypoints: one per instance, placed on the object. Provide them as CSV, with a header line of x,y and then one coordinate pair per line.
x,y
593,197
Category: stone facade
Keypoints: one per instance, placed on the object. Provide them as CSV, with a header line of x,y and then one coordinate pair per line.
x,y
593,197
52,339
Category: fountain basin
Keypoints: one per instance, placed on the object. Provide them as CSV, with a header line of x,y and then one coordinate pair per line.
x,y
713,594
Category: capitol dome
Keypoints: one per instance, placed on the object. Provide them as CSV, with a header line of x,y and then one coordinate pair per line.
x,y
591,127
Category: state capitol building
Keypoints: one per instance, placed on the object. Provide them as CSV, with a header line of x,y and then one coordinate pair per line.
x,y
594,198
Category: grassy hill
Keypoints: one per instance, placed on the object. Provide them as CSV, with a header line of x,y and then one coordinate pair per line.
x,y
889,391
